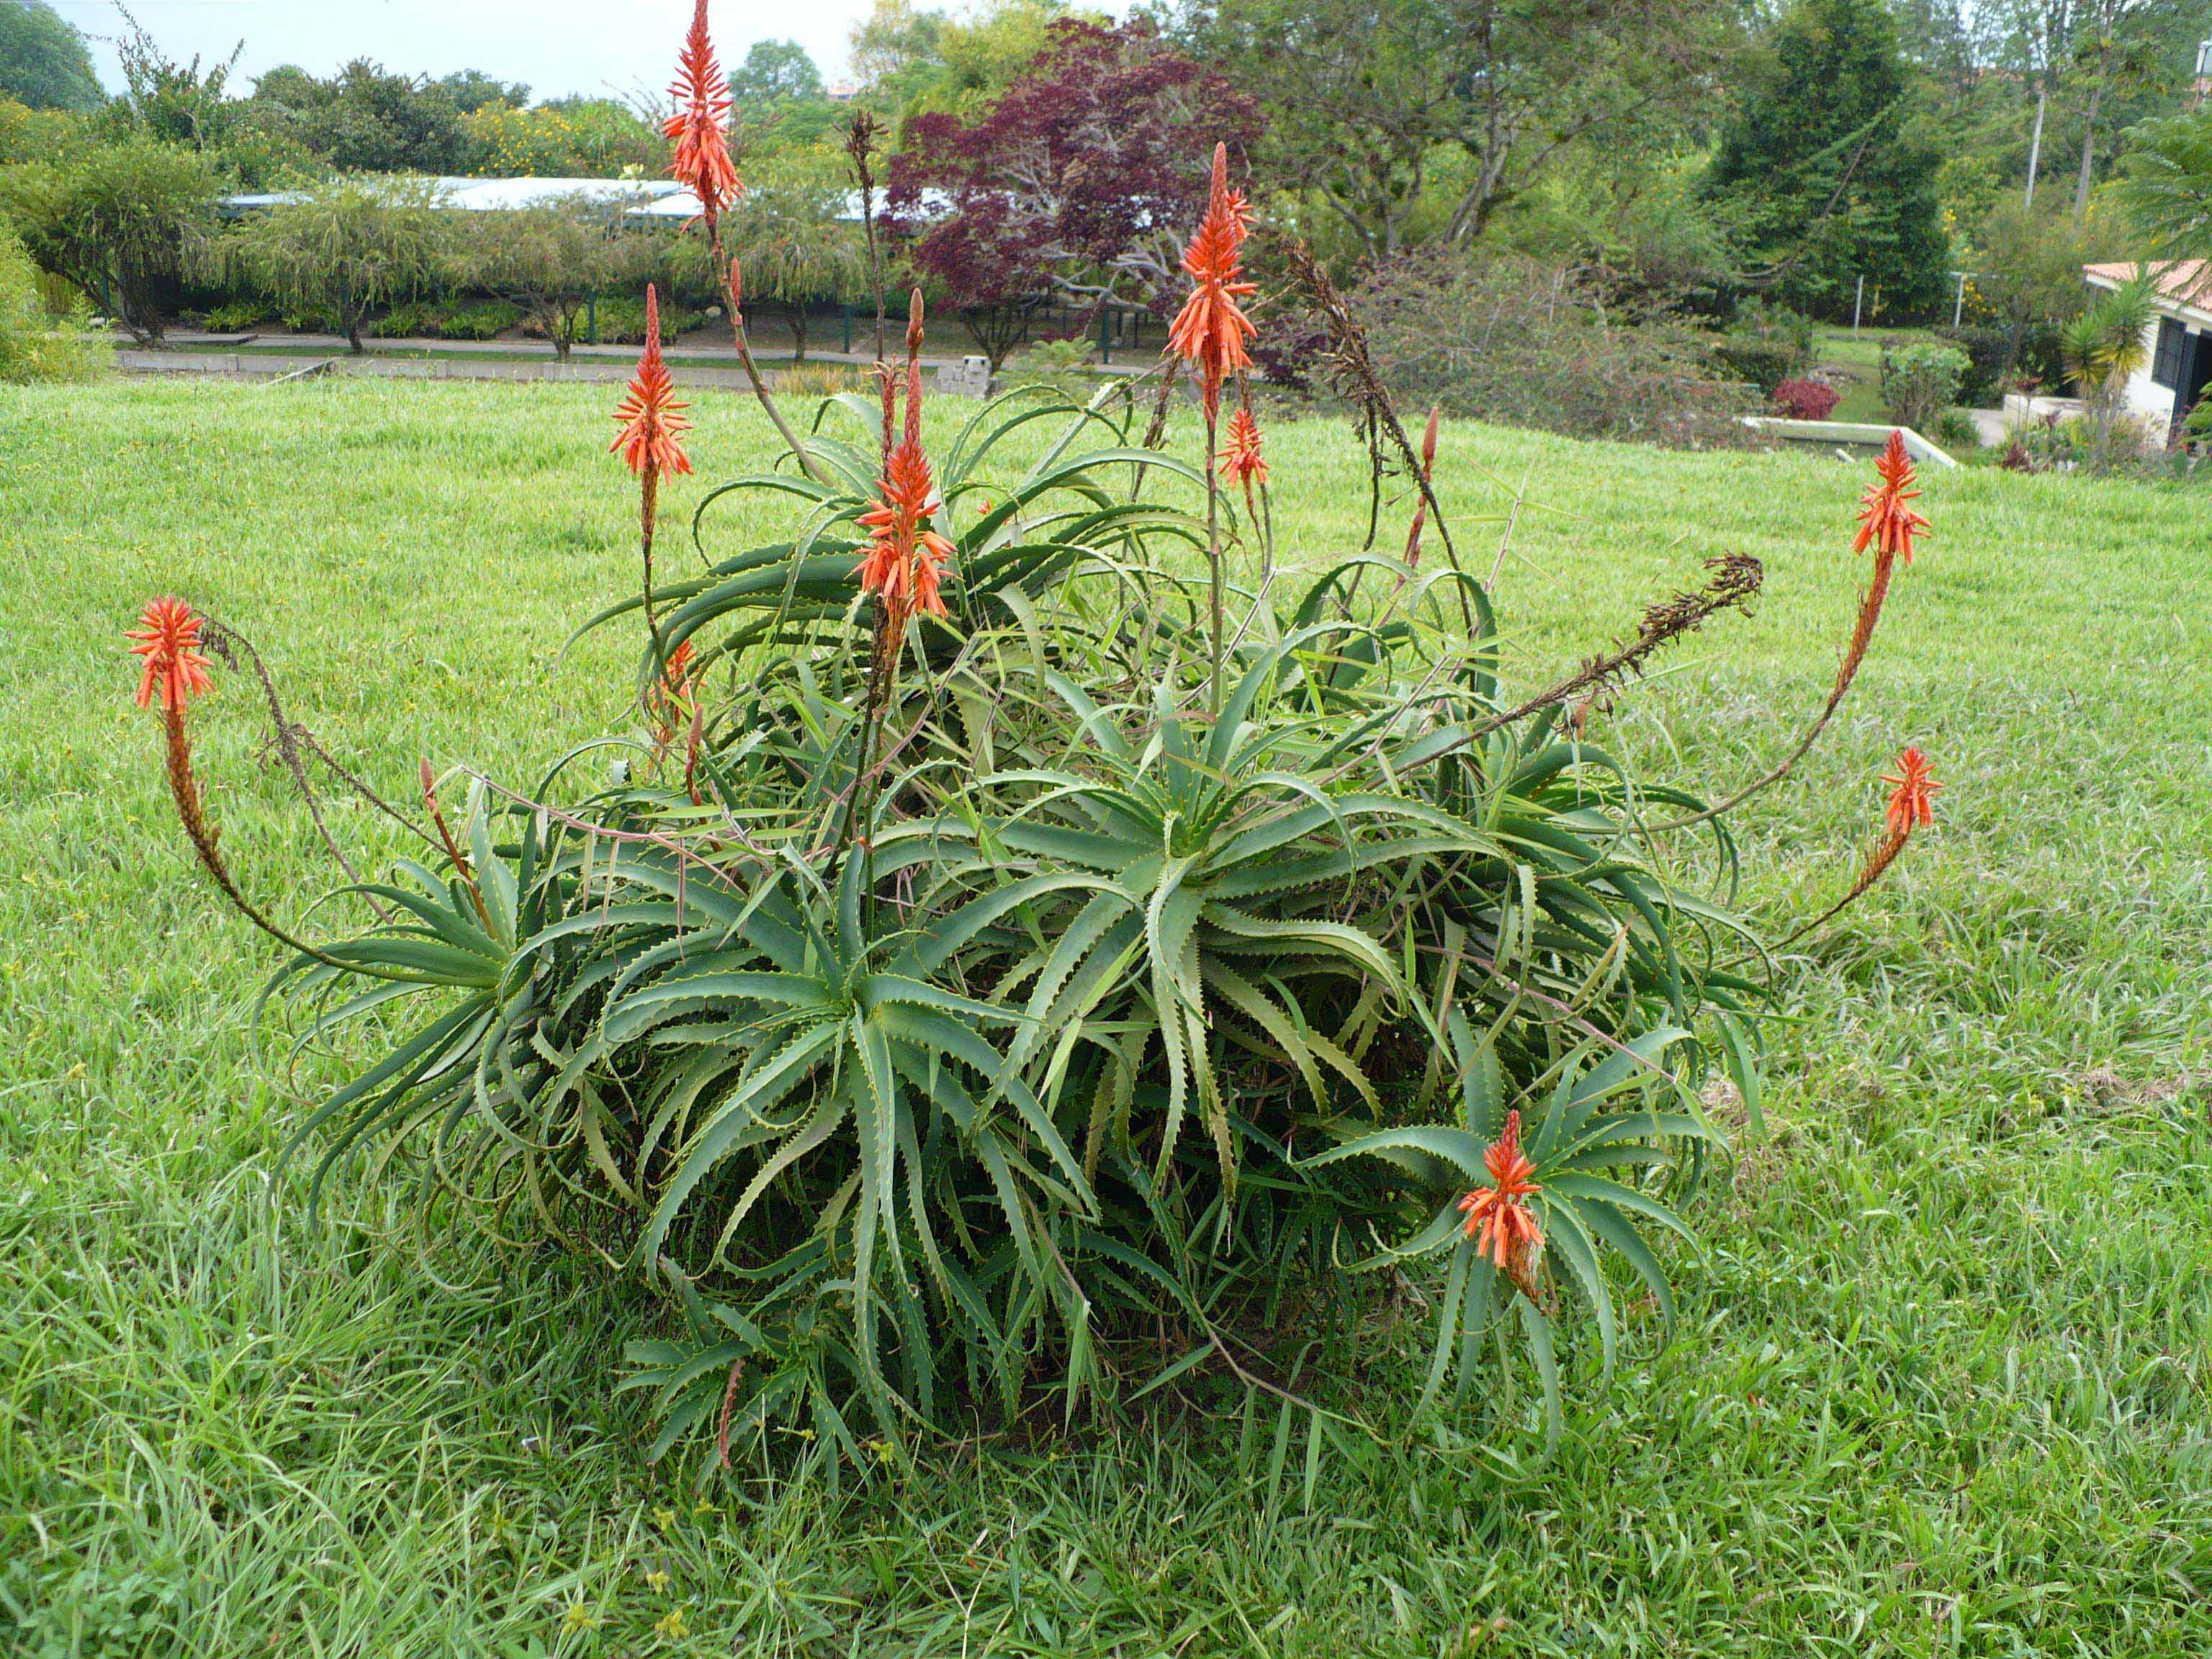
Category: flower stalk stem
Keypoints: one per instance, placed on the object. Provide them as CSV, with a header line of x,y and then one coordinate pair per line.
x,y
1213,552
185,790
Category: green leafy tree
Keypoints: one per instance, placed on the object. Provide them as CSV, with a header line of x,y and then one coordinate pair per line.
x,y
2027,270
43,60
473,89
551,260
178,103
344,251
118,219
781,106
1825,169
790,237
2166,186
776,69
918,60
1402,121
33,134
368,119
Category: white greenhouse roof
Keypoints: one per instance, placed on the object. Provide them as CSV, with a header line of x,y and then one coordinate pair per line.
x,y
508,195
661,201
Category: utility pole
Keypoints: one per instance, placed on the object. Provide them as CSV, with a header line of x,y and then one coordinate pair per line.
x,y
1959,302
1857,301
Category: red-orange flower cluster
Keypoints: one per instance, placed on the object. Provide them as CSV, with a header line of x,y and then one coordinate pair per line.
x,y
1240,454
652,419
699,128
1912,793
1885,523
906,557
1499,1217
167,637
1210,331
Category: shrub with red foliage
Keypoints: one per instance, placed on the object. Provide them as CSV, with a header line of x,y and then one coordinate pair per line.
x,y
1806,400
1082,180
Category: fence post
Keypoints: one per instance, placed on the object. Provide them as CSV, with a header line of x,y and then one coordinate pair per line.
x,y
592,317
1105,334
848,347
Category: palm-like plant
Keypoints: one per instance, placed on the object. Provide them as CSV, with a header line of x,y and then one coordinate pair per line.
x,y
2108,344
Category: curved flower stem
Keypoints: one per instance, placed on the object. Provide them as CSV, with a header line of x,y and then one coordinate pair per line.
x,y
1885,855
812,468
1846,671
185,789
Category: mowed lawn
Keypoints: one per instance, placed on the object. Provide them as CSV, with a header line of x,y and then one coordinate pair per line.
x,y
1941,1383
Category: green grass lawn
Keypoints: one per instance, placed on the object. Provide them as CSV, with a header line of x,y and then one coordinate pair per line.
x,y
1942,1384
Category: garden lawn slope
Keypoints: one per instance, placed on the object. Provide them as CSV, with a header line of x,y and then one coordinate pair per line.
x,y
1943,1384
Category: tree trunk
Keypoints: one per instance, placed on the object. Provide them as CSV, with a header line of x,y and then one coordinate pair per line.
x,y
353,335
2035,146
2088,151
799,331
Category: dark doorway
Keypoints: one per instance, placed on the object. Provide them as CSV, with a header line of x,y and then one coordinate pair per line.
x,y
2195,381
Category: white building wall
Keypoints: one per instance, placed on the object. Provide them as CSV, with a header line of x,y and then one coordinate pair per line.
x,y
2144,395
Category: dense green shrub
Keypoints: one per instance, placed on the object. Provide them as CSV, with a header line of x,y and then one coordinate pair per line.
x,y
235,316
32,135
35,345
621,321
465,319
1508,340
1765,346
572,138
121,220
1956,429
1921,381
1990,352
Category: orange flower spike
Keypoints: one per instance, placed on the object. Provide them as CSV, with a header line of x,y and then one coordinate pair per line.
x,y
1211,330
1497,1216
1241,458
168,638
652,419
1885,523
1913,787
699,128
906,558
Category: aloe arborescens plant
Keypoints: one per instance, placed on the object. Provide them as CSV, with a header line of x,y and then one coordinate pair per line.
x,y
1041,951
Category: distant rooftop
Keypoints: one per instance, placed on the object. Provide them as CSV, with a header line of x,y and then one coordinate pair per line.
x,y
2186,283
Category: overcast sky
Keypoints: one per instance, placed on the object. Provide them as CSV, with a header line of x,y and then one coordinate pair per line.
x,y
558,46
